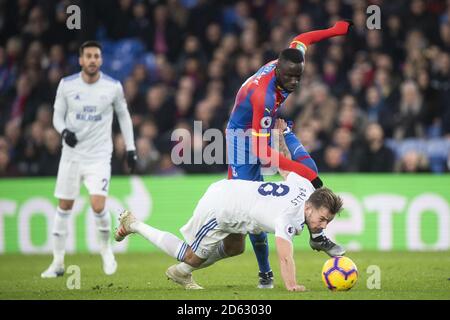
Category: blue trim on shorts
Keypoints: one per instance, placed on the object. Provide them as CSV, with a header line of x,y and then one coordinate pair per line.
x,y
182,251
202,233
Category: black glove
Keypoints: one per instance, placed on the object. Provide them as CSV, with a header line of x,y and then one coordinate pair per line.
x,y
317,183
131,160
69,137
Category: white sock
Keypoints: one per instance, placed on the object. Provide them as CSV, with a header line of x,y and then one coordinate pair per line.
x,y
103,223
185,268
60,228
166,241
316,235
217,254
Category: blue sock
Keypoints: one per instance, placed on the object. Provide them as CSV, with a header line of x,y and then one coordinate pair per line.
x,y
261,248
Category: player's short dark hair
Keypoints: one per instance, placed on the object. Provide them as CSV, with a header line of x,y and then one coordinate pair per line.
x,y
324,197
88,44
292,55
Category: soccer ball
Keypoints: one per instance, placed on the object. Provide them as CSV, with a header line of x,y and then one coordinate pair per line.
x,y
339,274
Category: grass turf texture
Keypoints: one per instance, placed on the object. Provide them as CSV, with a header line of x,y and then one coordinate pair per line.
x,y
141,276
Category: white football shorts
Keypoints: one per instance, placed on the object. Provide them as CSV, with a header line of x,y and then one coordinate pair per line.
x,y
95,176
201,232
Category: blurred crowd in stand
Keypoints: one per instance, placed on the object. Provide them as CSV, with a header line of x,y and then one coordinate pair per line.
x,y
374,101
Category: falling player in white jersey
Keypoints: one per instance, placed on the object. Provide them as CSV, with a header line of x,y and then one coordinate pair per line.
x,y
228,211
83,115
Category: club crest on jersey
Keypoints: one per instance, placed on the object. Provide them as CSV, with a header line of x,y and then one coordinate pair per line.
x,y
266,122
233,170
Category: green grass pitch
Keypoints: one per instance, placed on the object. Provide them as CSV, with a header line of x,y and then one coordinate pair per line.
x,y
141,276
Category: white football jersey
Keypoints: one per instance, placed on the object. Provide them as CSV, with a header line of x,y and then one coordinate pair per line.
x,y
242,206
87,110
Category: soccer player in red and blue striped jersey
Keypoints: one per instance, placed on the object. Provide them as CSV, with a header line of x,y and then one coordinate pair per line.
x,y
257,105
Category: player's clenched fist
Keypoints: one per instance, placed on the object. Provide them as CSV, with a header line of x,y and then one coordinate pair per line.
x,y
131,160
69,137
297,287
343,26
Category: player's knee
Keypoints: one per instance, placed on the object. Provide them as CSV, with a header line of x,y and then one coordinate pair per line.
x,y
98,205
65,204
235,248
239,249
98,208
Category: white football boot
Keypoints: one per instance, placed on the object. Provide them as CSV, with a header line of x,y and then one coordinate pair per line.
x,y
185,280
125,219
109,262
53,271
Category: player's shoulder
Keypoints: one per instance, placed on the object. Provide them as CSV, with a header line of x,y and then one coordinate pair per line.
x,y
69,82
72,77
264,75
300,181
107,78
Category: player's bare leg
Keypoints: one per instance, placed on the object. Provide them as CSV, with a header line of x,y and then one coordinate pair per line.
x,y
60,229
167,242
234,244
103,223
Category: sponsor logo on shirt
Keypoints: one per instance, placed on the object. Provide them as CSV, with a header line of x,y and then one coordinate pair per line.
x,y
266,122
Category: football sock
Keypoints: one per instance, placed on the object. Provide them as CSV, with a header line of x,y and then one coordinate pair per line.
x,y
59,233
185,268
261,248
103,223
166,241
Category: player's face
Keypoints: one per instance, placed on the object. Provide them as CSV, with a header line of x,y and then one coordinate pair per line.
x,y
91,60
289,74
317,219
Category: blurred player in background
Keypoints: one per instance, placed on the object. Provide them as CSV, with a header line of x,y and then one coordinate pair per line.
x,y
83,115
257,105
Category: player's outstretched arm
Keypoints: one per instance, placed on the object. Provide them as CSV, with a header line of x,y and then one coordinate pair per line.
x,y
302,41
59,115
60,109
278,136
280,126
262,150
126,127
260,142
295,148
287,264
